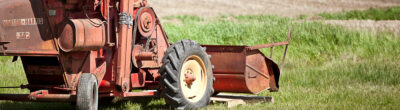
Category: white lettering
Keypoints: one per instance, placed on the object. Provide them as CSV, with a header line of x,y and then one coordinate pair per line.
x,y
22,22
23,35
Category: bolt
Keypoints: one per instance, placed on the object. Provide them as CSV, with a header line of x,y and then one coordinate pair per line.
x,y
189,78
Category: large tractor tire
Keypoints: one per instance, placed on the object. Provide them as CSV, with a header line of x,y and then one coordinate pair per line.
x,y
186,76
87,92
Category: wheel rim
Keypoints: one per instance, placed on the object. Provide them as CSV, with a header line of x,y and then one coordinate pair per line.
x,y
193,78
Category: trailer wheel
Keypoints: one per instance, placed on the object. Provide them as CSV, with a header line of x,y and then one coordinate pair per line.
x,y
187,77
87,92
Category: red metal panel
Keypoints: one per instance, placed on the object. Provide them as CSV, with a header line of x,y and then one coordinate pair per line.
x,y
138,79
43,70
106,86
25,28
257,75
230,83
82,35
124,48
227,59
239,69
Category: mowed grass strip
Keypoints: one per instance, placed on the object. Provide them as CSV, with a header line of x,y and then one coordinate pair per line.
x,y
392,13
327,66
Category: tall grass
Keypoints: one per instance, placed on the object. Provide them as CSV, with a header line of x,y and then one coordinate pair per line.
x,y
392,13
328,67
11,74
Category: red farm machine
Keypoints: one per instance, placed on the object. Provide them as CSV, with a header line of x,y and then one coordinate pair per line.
x,y
83,51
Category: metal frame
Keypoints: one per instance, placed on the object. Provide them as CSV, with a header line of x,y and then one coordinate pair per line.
x,y
125,62
272,45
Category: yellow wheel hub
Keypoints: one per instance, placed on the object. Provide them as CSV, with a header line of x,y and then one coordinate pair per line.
x,y
193,78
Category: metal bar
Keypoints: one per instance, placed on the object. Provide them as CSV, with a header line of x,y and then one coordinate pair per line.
x,y
144,56
74,81
54,98
11,87
15,97
124,52
108,25
143,93
268,45
259,72
272,48
135,94
31,52
40,87
45,87
284,54
39,98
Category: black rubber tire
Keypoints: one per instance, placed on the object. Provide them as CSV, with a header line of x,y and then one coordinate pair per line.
x,y
87,92
170,74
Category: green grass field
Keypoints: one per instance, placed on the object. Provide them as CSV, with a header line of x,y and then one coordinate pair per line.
x,y
392,13
328,67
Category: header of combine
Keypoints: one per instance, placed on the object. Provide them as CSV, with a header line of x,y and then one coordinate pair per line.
x,y
85,50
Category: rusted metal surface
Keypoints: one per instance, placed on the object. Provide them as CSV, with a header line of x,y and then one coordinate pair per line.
x,y
227,65
138,79
145,56
157,47
152,40
146,22
82,35
25,26
74,64
38,28
39,96
136,94
258,71
121,45
272,48
245,70
130,94
124,48
268,45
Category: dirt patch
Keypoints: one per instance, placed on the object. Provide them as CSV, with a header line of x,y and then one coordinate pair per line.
x,y
285,8
370,25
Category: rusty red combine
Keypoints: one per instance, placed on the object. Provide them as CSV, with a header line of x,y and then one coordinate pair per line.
x,y
87,50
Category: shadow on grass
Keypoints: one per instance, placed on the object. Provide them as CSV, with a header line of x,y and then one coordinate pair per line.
x,y
132,103
13,105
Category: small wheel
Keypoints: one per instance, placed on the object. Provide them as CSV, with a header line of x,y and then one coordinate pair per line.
x,y
87,92
187,77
